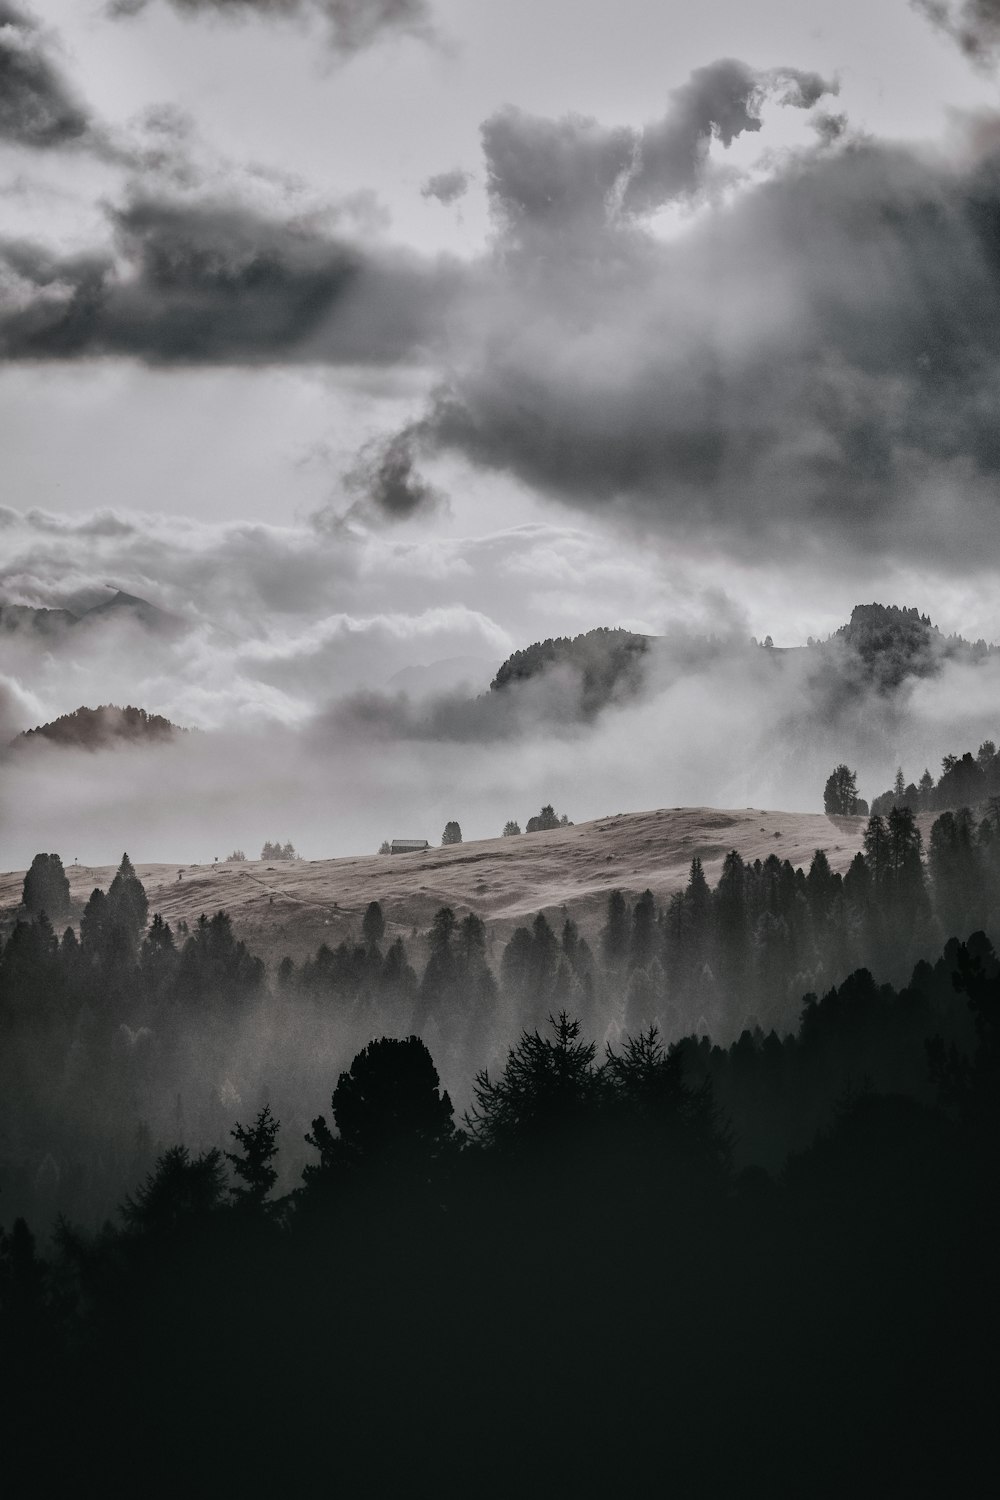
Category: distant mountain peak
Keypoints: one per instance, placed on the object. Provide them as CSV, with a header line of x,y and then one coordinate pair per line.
x,y
124,603
121,605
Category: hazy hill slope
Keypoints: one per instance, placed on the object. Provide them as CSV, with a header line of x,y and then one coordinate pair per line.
x,y
292,908
54,622
97,728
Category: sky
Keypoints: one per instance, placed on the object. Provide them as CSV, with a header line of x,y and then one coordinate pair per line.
x,y
369,334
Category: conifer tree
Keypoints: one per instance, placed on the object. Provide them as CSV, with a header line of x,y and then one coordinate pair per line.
x,y
253,1168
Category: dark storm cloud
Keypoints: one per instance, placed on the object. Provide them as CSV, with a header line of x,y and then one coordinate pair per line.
x,y
386,480
565,174
973,24
722,101
217,283
830,127
37,105
817,360
353,24
446,187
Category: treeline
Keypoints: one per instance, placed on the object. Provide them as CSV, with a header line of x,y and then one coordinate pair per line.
x,y
709,961
114,1040
276,851
92,728
966,781
576,1277
891,643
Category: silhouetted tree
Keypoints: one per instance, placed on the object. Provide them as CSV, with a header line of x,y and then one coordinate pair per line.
x,y
253,1168
46,888
510,828
615,934
179,1193
546,819
391,1117
548,1087
373,925
643,937
452,834
840,795
125,913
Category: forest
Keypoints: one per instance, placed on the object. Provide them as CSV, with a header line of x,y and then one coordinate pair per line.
x,y
446,1210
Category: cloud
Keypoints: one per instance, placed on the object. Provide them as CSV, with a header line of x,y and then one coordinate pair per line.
x,y
829,126
804,367
447,187
973,24
372,764
353,25
217,282
811,365
569,173
38,107
386,482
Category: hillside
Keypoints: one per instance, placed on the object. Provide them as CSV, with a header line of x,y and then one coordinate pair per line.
x,y
292,908
99,728
608,664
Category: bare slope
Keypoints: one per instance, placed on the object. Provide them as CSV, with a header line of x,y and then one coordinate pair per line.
x,y
291,908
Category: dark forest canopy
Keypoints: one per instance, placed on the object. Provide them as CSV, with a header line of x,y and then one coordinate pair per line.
x,y
880,647
894,643
584,1240
306,1267
107,725
967,780
132,1012
608,663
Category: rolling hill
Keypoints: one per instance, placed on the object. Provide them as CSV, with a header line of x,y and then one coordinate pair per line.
x,y
291,908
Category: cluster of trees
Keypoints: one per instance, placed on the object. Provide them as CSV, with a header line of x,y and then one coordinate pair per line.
x,y
590,1242
101,1032
278,851
840,795
966,781
891,643
93,728
118,1020
707,961
546,818
608,664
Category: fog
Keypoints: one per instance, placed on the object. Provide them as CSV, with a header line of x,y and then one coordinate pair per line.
x,y
717,721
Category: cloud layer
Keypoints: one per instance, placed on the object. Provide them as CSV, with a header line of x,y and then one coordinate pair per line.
x,y
802,360
215,281
973,24
352,25
38,106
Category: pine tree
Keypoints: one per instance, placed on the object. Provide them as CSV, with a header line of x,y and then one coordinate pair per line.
x,y
615,935
253,1168
46,888
373,925
840,795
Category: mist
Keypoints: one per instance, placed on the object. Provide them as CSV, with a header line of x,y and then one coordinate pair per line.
x,y
716,721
